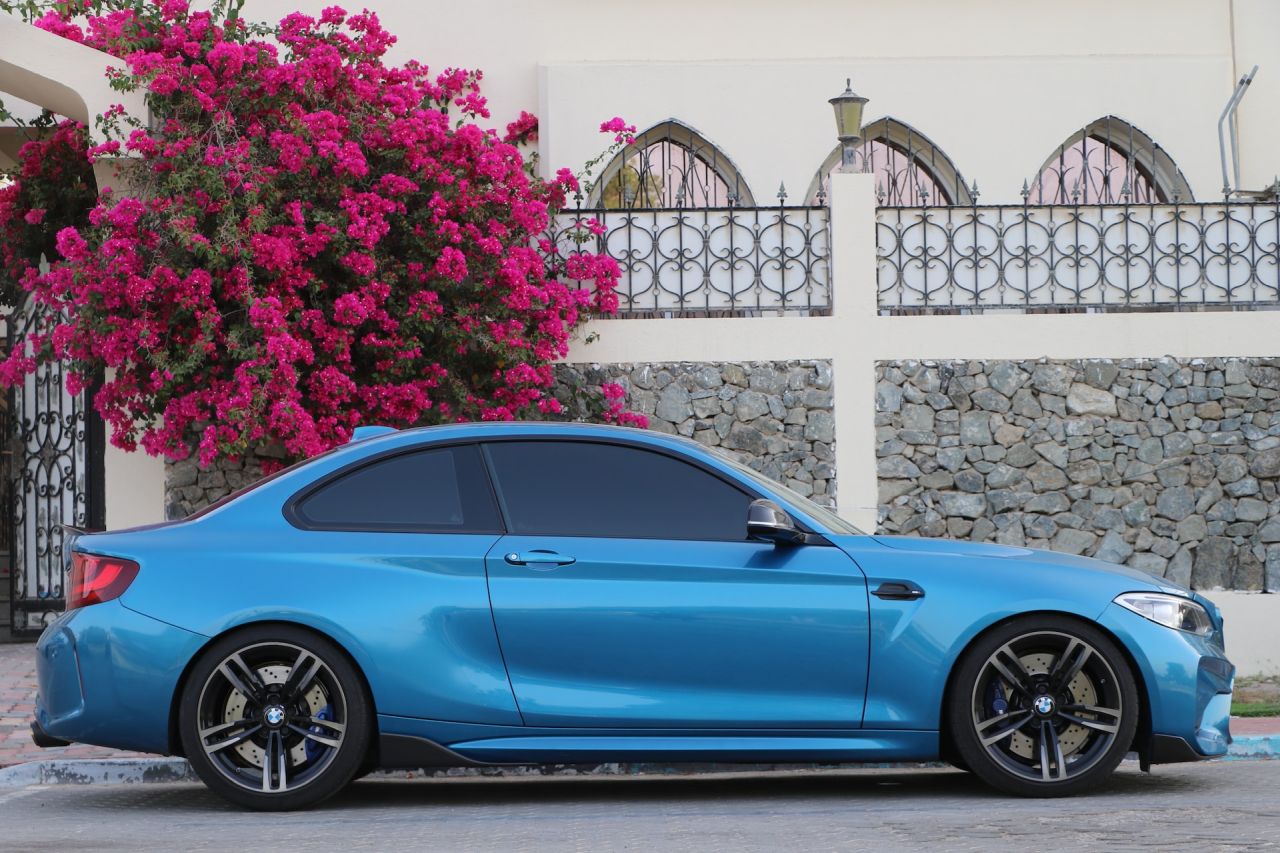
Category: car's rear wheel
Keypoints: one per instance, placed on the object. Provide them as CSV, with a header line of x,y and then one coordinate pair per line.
x,y
275,718
1043,707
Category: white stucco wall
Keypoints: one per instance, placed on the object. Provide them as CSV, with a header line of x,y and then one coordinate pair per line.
x,y
998,84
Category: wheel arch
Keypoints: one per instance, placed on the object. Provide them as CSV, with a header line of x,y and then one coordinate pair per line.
x,y
1141,736
174,736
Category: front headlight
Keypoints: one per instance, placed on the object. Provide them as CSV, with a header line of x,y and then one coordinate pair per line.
x,y
1172,611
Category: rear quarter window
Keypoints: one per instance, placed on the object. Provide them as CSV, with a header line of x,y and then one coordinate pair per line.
x,y
443,490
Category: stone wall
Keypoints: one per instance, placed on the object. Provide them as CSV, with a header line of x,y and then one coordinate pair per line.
x,y
188,487
774,416
1166,465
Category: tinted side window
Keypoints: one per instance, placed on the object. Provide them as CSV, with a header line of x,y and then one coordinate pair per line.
x,y
445,490
570,488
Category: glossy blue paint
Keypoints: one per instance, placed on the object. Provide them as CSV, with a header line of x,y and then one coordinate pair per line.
x,y
107,676
635,649
646,632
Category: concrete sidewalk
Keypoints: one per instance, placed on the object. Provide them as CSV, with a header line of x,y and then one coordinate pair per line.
x,y
18,696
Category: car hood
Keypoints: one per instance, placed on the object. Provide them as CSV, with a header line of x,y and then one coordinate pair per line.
x,y
984,551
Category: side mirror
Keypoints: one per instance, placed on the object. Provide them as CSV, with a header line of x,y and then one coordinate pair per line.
x,y
769,522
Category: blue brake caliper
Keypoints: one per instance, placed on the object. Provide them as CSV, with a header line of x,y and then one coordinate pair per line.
x,y
312,748
999,704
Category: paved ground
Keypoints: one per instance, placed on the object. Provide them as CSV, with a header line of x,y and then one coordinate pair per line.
x,y
1221,806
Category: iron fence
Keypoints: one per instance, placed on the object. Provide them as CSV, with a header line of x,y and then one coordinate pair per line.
x,y
54,477
1080,257
711,261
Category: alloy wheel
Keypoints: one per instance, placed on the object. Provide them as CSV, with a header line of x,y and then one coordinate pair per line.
x,y
1047,707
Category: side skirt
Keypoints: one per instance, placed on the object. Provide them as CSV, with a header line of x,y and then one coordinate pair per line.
x,y
407,742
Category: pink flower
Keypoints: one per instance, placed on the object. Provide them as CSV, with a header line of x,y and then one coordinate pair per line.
x,y
623,133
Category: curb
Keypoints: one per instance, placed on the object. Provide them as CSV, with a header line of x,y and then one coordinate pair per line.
x,y
133,771
96,771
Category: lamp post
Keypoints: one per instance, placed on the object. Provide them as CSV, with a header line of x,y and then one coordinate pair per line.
x,y
848,109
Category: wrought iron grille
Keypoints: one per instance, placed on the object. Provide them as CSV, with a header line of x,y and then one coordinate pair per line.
x,y
713,261
1124,257
1108,162
909,169
670,165
54,478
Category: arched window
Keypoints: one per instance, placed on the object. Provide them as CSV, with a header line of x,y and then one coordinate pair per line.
x,y
1108,162
671,165
910,170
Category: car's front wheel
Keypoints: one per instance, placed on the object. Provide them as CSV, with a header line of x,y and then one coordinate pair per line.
x,y
1043,707
274,718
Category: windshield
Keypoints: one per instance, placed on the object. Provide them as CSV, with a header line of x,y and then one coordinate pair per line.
x,y
833,522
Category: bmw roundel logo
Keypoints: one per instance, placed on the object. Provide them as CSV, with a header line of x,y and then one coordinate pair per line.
x,y
275,715
1044,705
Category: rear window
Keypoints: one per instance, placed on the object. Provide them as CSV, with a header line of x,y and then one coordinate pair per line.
x,y
445,490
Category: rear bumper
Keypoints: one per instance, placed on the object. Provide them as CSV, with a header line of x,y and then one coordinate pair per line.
x,y
106,675
1188,683
43,739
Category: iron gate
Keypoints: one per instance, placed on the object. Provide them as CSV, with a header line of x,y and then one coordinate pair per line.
x,y
54,476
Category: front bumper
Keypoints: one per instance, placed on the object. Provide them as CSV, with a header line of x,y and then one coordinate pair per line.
x,y
1188,682
107,676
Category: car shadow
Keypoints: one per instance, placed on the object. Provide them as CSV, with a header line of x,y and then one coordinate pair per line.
x,y
914,788
852,785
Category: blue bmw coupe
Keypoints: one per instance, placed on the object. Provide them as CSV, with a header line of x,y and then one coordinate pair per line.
x,y
555,593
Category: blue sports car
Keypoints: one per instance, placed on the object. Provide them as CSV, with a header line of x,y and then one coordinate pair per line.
x,y
557,593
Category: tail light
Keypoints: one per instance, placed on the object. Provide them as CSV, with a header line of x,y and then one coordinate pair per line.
x,y
95,579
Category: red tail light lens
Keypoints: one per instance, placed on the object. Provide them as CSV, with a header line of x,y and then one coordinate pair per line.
x,y
96,579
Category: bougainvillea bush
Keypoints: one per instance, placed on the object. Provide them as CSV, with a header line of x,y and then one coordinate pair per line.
x,y
314,239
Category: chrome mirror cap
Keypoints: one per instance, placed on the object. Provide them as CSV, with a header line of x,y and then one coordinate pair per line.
x,y
768,522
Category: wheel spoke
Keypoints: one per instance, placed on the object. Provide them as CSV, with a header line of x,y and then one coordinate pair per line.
x,y
275,765
317,736
1051,750
1072,659
328,724
1013,721
299,678
250,728
1109,728
245,680
1012,671
1113,713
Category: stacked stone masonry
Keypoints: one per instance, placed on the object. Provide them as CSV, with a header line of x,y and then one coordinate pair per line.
x,y
188,487
1170,466
775,417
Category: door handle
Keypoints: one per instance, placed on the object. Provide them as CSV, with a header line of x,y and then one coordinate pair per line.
x,y
538,557
898,591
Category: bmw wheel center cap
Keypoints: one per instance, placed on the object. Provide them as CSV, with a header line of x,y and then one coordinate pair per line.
x,y
274,715
1043,705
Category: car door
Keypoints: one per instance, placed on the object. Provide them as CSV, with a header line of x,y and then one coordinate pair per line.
x,y
626,593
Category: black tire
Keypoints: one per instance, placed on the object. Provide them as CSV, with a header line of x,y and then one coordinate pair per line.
x,y
1043,706
262,735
